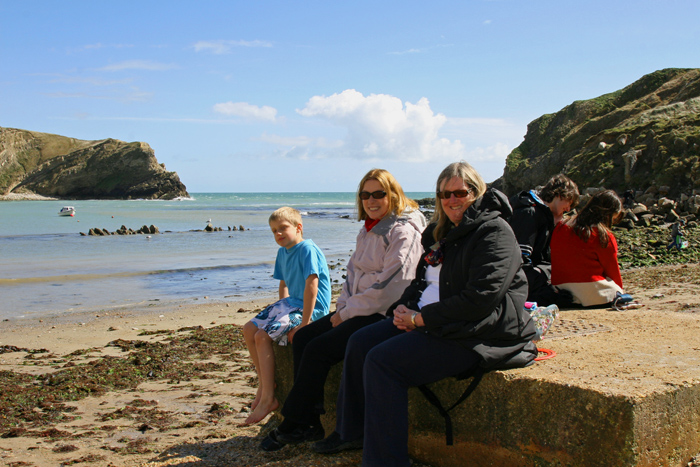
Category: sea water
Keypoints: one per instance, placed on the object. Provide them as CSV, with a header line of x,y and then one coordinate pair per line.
x,y
48,267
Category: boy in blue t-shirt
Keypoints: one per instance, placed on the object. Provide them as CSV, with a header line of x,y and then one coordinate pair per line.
x,y
304,296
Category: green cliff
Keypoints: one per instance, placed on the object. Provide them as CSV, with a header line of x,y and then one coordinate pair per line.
x,y
645,135
62,167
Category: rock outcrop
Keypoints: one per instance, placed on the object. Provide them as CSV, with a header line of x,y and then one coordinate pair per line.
x,y
645,135
62,167
123,230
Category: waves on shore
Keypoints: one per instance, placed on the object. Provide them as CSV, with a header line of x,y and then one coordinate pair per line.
x,y
68,278
57,294
37,296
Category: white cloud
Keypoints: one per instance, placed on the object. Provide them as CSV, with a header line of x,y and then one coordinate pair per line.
x,y
300,141
487,139
409,51
91,80
489,129
133,95
382,127
96,46
495,152
285,140
245,110
204,121
148,65
223,46
420,50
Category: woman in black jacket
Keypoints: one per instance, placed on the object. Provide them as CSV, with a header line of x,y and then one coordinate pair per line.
x,y
465,308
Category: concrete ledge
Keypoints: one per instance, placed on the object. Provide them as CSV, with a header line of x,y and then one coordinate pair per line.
x,y
625,395
515,420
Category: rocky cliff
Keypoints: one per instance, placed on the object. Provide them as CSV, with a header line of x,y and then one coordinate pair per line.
x,y
643,136
62,167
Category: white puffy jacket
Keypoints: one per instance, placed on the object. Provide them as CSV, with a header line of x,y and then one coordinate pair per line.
x,y
382,266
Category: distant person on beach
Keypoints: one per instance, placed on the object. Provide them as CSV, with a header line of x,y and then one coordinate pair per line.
x,y
677,241
304,296
464,310
533,220
584,252
387,251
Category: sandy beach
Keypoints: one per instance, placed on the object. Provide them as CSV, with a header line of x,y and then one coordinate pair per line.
x,y
193,417
91,439
161,421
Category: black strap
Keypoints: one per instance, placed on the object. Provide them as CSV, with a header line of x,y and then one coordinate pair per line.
x,y
477,372
433,399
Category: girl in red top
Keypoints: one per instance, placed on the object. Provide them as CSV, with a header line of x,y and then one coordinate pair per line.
x,y
584,252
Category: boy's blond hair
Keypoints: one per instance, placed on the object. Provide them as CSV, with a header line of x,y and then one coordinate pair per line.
x,y
285,213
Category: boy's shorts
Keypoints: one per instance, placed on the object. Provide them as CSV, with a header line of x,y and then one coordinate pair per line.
x,y
278,319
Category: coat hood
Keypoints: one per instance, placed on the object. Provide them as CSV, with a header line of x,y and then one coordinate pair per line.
x,y
491,205
525,199
412,217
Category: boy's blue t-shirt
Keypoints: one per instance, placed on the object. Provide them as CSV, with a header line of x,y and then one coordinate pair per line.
x,y
295,265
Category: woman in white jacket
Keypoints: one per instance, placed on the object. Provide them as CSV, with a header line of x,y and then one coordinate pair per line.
x,y
383,264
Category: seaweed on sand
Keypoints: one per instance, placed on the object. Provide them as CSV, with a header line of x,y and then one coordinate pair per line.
x,y
31,401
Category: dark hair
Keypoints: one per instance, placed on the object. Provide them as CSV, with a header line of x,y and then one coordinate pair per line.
x,y
562,186
600,212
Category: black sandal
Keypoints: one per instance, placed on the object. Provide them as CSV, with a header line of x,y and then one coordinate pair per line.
x,y
271,443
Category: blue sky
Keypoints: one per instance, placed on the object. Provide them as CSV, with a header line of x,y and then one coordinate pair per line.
x,y
308,96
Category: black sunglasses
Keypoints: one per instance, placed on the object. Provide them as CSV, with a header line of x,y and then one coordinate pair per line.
x,y
445,194
375,194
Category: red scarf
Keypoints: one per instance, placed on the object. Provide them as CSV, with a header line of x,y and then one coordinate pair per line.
x,y
369,223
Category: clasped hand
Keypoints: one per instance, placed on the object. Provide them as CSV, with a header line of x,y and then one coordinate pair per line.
x,y
402,318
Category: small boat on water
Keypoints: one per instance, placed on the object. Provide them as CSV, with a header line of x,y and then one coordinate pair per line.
x,y
67,211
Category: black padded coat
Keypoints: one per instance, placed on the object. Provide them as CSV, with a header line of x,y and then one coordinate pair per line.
x,y
482,287
533,224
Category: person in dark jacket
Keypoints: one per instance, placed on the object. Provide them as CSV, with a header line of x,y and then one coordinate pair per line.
x,y
533,220
464,309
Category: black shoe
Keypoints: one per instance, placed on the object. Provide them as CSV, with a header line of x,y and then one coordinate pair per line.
x,y
334,444
302,434
271,443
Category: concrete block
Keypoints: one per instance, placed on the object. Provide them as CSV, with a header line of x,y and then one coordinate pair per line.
x,y
513,420
623,390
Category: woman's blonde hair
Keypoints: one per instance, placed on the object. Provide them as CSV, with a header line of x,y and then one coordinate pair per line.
x,y
398,202
470,177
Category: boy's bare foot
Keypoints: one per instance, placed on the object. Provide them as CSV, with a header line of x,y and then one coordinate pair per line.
x,y
258,396
261,411
256,401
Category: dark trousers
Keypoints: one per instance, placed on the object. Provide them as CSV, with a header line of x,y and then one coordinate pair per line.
x,y
317,347
381,363
541,290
